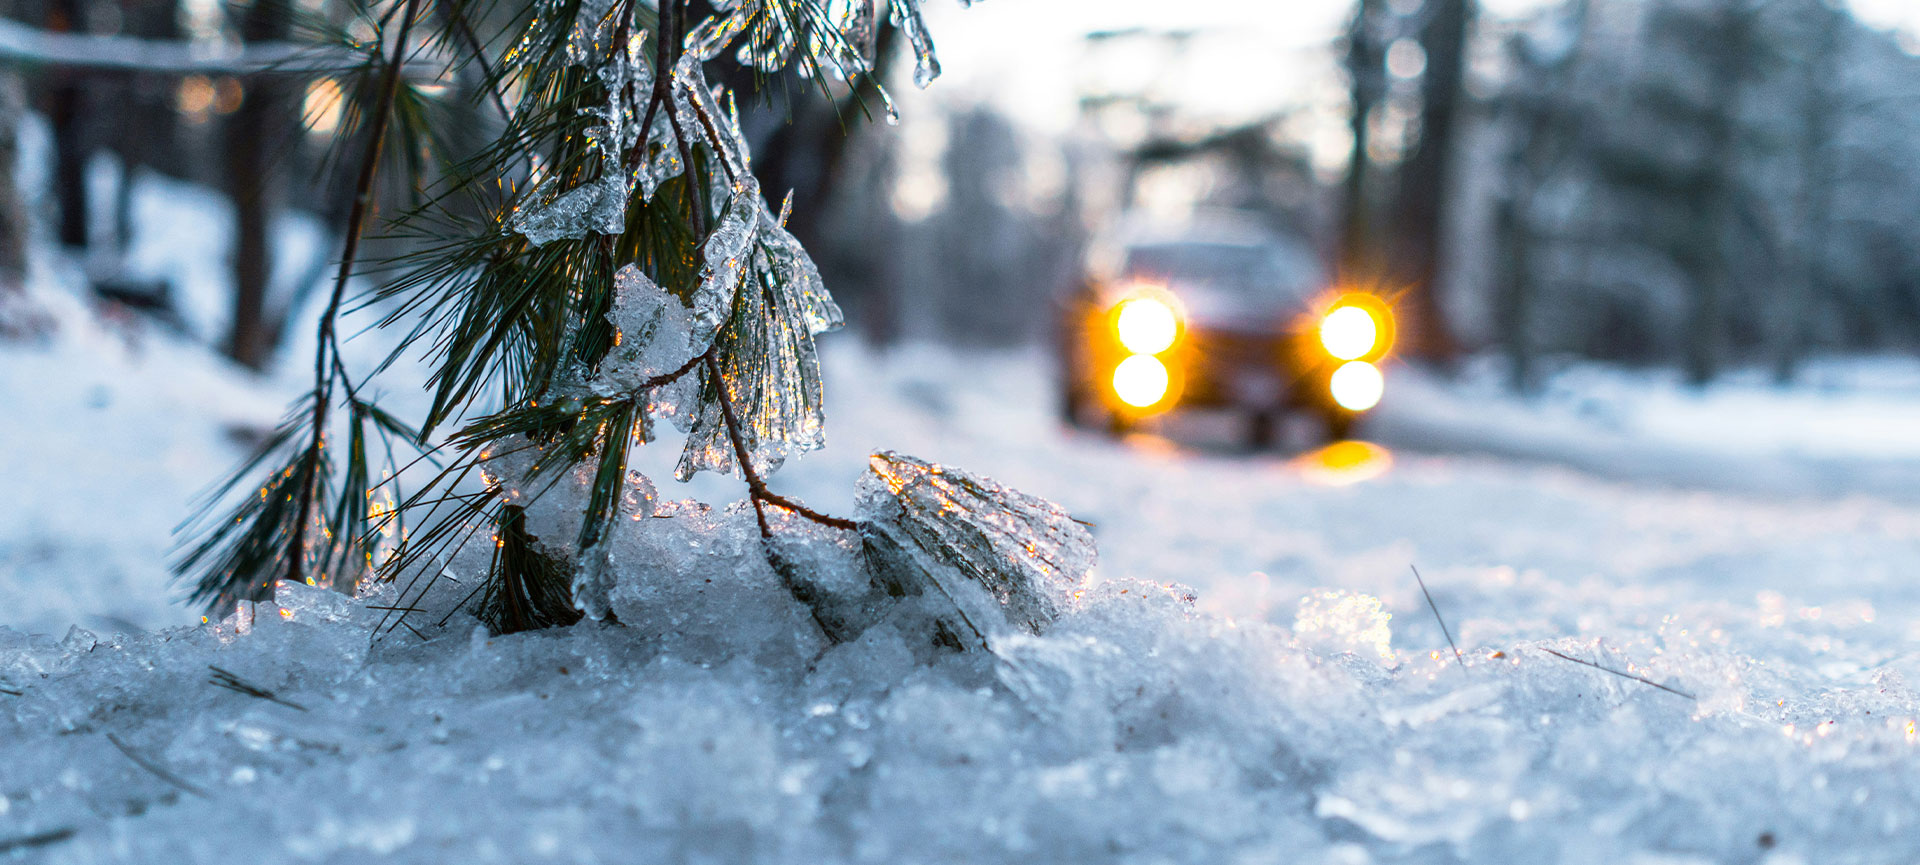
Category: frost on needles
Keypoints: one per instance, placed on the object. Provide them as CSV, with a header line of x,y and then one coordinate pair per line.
x,y
629,270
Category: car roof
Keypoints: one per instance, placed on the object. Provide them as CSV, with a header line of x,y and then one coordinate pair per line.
x,y
1108,252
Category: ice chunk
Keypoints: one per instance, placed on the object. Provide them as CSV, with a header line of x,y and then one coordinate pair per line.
x,y
1006,560
906,16
598,205
859,33
823,567
652,333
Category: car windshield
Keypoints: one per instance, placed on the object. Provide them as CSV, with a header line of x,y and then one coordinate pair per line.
x,y
1228,273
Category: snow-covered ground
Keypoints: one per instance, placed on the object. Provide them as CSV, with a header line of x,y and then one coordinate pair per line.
x,y
1253,675
1304,706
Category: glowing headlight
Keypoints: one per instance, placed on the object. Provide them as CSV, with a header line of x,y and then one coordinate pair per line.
x,y
1349,332
1140,381
1357,385
1146,325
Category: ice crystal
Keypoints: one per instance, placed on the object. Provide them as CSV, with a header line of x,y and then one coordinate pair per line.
x,y
1007,561
906,16
1341,621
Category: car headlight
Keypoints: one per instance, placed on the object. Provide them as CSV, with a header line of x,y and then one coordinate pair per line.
x,y
1141,380
1349,332
1146,325
1357,385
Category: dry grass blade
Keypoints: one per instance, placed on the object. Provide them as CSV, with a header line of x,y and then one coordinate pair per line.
x,y
1436,617
157,770
1622,674
231,682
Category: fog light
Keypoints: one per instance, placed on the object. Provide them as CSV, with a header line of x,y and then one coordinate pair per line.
x,y
1349,332
1140,381
1357,386
1146,325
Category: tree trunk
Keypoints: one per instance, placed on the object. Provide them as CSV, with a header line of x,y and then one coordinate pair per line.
x,y
67,111
257,137
1421,214
1365,74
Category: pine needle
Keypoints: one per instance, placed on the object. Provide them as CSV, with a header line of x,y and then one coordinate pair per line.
x,y
1436,617
157,770
1622,674
11,692
238,685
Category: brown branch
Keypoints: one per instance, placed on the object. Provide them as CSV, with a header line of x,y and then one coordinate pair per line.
x,y
757,486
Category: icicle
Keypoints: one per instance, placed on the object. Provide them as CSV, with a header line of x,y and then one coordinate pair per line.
x,y
795,274
591,38
766,354
593,579
905,15
699,115
726,257
712,36
1006,560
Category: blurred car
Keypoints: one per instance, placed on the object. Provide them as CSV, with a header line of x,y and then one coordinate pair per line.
x,y
1218,315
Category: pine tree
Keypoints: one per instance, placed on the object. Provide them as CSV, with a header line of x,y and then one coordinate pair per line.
x,y
606,263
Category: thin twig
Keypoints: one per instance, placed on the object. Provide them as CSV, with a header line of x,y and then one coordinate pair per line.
x,y
356,221
231,682
1436,617
457,13
38,839
11,692
157,770
1621,673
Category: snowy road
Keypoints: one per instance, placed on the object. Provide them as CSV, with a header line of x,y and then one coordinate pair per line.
x,y
1310,709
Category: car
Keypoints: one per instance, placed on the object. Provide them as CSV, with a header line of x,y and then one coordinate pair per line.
x,y
1218,316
